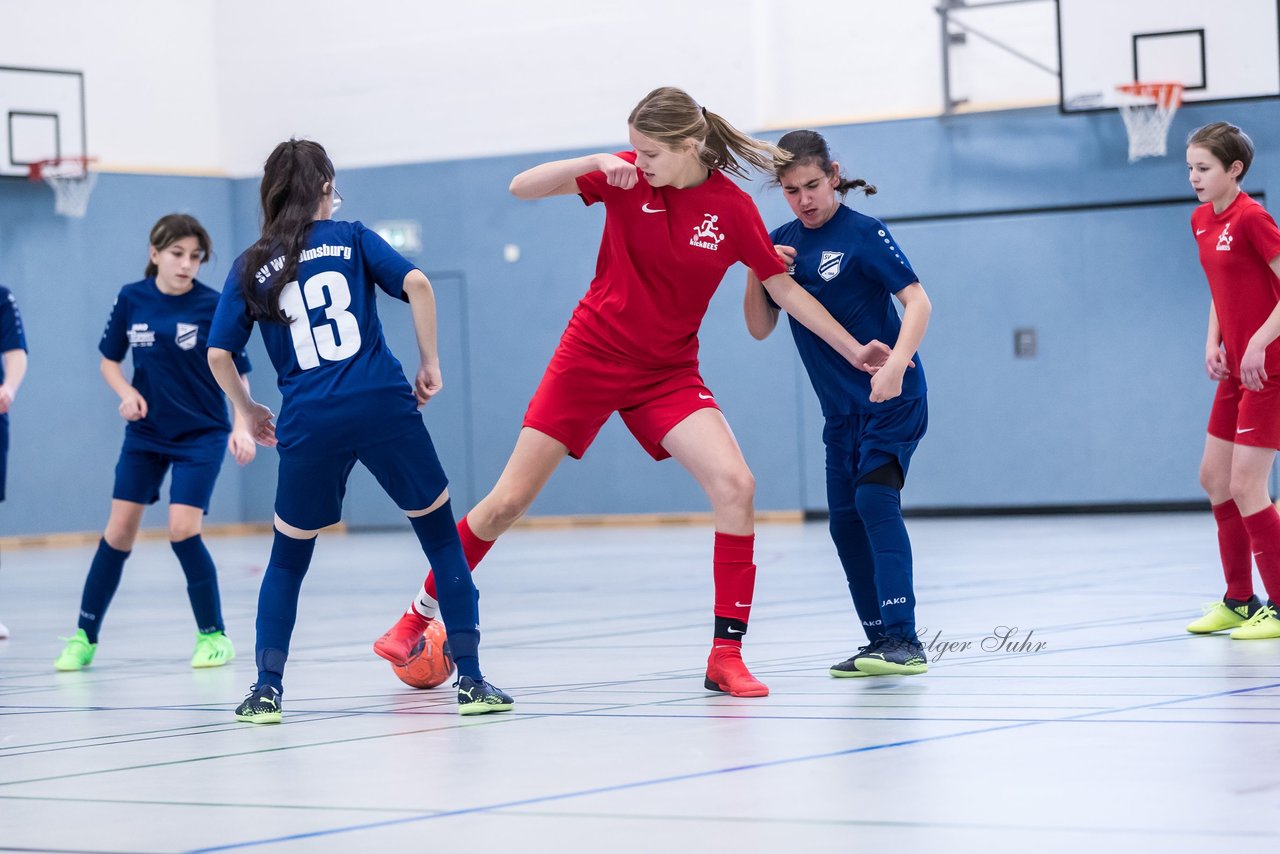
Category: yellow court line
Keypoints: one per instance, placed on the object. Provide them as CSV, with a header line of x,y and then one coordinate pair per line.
x,y
245,529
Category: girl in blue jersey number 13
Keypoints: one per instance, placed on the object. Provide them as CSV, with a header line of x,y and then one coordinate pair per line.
x,y
177,422
309,284
874,421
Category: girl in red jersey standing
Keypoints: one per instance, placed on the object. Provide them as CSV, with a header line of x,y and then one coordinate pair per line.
x,y
1240,252
675,223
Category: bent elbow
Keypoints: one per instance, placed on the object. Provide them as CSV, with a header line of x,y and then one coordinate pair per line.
x,y
520,188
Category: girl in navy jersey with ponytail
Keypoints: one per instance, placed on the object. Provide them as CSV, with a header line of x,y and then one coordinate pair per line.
x,y
851,264
177,423
1240,251
675,223
308,283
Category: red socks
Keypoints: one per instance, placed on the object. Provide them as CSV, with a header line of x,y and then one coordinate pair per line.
x,y
1264,539
735,575
1233,545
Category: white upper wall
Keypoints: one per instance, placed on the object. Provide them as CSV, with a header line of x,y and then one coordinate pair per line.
x,y
150,75
212,85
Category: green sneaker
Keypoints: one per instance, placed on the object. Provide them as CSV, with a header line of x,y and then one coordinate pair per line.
x,y
1260,626
894,657
1227,614
262,706
848,667
213,649
77,654
479,697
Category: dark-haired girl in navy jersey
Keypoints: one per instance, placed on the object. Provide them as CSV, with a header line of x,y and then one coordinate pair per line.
x,y
177,424
853,266
309,284
13,367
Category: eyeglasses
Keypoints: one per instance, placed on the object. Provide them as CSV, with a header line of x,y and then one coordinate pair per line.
x,y
337,198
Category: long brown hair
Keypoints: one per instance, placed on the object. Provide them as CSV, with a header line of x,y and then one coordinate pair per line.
x,y
670,116
293,182
171,228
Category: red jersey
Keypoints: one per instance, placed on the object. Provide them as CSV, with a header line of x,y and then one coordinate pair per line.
x,y
663,254
1236,247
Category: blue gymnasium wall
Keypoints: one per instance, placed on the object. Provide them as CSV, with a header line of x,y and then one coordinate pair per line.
x,y
1111,410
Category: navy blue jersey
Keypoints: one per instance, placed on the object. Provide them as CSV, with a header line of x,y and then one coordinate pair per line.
x,y
853,266
340,383
168,338
11,335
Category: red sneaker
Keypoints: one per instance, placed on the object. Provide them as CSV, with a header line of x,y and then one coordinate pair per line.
x,y
398,641
727,672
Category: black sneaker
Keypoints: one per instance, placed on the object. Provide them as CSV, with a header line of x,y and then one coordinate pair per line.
x,y
262,706
848,666
479,697
894,656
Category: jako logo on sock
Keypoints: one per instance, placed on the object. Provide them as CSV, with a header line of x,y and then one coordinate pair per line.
x,y
901,600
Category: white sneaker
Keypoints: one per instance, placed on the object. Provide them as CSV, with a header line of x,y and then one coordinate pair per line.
x,y
4,631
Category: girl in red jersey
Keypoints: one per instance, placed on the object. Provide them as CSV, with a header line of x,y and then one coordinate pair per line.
x,y
675,223
1240,252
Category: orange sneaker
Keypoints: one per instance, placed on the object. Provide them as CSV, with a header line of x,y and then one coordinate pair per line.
x,y
398,641
727,672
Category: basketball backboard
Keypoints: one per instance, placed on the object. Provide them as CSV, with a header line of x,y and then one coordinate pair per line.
x,y
1226,50
41,117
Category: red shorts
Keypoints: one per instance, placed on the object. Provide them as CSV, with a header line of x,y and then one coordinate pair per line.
x,y
580,391
1246,417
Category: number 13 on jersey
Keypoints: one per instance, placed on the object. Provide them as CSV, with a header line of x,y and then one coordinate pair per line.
x,y
333,341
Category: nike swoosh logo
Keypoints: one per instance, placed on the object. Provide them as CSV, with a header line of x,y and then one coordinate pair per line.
x,y
742,604
1246,429
645,207
733,631
706,396
1201,231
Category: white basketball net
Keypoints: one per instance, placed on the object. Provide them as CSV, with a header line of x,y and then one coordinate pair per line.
x,y
1147,110
72,184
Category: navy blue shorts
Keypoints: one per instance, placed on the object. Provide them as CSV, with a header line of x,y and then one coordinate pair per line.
x,y
859,444
139,474
310,487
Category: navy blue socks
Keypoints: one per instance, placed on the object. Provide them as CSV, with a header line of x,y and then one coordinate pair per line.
x,y
278,605
202,583
459,601
880,508
99,587
850,537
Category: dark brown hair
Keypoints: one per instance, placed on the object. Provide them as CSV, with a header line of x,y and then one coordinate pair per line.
x,y
670,116
809,147
293,182
171,228
1226,142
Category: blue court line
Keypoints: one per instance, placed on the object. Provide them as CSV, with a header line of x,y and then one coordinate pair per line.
x,y
696,775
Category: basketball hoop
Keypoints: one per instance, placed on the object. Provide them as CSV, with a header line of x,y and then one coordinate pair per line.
x,y
1147,110
71,180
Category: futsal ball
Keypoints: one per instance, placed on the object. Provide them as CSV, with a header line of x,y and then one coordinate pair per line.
x,y
429,662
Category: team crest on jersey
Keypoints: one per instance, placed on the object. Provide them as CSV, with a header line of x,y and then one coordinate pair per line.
x,y
706,235
1224,239
829,265
186,336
